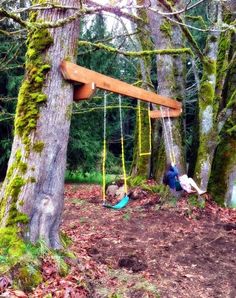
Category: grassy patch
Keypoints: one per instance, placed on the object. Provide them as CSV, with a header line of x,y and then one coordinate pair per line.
x,y
90,178
196,202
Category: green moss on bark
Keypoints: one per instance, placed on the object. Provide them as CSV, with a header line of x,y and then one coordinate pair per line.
x,y
166,28
27,277
24,269
30,99
15,183
225,159
31,96
38,146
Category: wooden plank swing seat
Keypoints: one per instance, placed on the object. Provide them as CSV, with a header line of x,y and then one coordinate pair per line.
x,y
90,80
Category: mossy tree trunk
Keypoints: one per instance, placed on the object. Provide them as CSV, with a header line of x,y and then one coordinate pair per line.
x,y
213,107
142,151
32,193
222,183
169,74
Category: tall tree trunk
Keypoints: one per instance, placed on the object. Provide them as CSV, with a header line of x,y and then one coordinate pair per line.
x,y
214,107
32,192
222,183
142,151
166,35
207,113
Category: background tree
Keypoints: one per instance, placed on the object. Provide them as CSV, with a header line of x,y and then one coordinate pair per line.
x,y
170,72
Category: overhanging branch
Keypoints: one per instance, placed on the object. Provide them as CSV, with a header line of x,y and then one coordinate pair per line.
x,y
136,54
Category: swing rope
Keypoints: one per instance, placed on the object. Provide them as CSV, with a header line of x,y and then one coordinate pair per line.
x,y
140,131
125,199
104,148
168,136
122,147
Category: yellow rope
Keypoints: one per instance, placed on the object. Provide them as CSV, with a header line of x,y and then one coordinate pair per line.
x,y
104,148
140,132
123,164
122,147
105,151
104,171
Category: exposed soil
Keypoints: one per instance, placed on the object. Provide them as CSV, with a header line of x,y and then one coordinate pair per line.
x,y
151,249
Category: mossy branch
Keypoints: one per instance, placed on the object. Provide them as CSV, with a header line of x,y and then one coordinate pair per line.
x,y
136,54
177,19
65,21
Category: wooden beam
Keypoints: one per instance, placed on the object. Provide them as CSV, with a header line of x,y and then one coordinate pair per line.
x,y
171,113
83,75
84,91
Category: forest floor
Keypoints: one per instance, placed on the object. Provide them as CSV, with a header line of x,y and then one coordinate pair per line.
x,y
148,249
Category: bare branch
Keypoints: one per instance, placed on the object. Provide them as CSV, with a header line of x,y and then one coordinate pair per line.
x,y
45,6
186,8
115,10
11,33
195,28
163,13
17,19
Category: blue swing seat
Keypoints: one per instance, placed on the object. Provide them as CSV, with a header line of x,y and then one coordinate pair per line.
x,y
121,204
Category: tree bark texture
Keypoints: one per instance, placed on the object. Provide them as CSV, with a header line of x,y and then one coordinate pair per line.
x,y
170,83
207,115
34,185
215,111
141,157
222,183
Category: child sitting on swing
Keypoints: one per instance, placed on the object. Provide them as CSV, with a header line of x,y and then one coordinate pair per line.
x,y
178,183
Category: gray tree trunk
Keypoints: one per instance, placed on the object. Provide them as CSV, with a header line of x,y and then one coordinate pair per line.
x,y
141,165
170,83
34,184
222,183
207,116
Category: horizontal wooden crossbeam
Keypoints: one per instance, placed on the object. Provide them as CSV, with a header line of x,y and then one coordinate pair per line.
x,y
83,75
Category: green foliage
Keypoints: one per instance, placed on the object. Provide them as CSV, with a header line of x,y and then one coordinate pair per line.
x,y
22,259
198,17
136,181
19,257
86,136
12,51
196,201
81,177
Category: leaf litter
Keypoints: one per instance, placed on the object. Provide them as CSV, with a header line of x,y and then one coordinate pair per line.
x,y
152,248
